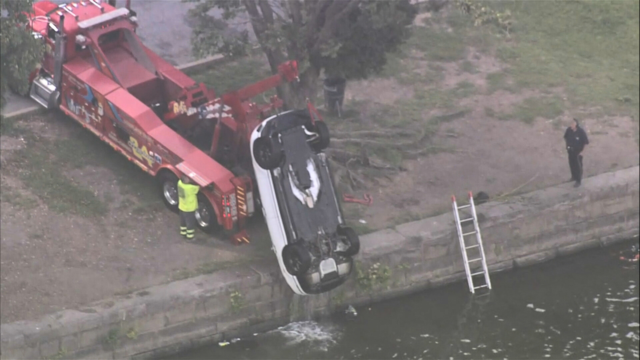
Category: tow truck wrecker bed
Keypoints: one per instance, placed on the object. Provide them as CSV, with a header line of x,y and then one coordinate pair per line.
x,y
98,72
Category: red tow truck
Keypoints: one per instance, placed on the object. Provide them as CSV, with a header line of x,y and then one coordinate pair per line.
x,y
97,71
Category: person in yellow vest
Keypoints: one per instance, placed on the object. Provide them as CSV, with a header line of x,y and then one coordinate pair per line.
x,y
187,205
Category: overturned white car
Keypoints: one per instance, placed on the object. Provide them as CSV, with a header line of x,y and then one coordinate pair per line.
x,y
313,245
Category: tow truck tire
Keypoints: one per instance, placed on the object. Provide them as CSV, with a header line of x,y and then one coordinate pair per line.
x,y
206,218
352,240
296,258
324,138
268,152
168,184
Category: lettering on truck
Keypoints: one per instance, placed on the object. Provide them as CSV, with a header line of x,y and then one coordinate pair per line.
x,y
141,152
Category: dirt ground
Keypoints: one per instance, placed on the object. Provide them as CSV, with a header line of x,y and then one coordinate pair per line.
x,y
52,259
489,154
79,223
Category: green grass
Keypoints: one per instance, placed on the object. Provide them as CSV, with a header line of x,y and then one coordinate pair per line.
x,y
16,198
44,178
83,149
589,48
464,89
438,45
233,75
468,67
547,107
497,81
42,167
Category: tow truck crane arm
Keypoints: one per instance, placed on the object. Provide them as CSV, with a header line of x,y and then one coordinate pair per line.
x,y
287,71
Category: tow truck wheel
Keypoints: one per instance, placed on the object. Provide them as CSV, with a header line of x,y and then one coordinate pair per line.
x,y
324,138
268,152
352,240
206,219
169,189
296,259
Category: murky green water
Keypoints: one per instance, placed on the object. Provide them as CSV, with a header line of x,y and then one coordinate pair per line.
x,y
579,307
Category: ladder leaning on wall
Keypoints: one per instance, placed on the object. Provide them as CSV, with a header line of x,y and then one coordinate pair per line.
x,y
477,255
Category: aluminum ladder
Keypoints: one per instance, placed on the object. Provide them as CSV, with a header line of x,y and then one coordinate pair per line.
x,y
465,247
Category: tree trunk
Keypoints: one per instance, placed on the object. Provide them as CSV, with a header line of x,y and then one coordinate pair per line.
x,y
295,94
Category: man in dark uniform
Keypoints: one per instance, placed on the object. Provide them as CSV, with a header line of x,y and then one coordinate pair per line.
x,y
576,140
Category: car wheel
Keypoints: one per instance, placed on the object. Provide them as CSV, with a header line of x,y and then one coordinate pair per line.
x,y
169,190
206,219
324,138
352,240
267,152
296,259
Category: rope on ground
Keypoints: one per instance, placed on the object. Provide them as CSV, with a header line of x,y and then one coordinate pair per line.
x,y
504,196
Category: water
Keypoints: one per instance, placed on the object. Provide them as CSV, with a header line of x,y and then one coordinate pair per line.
x,y
579,307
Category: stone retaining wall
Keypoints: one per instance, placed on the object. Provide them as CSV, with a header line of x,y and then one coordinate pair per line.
x,y
525,230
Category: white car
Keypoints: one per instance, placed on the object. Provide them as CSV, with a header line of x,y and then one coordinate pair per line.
x,y
314,247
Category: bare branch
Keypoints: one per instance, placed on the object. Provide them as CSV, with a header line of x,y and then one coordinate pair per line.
x,y
267,12
380,133
295,9
362,142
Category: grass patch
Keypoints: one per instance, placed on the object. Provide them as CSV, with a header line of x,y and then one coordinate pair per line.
x,y
545,107
531,108
497,81
233,75
14,197
464,89
468,67
590,48
48,182
9,127
83,149
43,163
438,45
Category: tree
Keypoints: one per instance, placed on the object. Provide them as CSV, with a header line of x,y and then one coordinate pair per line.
x,y
343,38
21,52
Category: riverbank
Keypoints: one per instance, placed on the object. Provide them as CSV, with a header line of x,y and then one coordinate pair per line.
x,y
545,311
462,93
520,231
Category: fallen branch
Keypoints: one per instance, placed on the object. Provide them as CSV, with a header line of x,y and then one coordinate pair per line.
x,y
418,153
353,178
362,142
379,133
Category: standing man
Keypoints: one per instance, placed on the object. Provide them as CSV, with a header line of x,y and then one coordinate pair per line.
x,y
187,205
576,139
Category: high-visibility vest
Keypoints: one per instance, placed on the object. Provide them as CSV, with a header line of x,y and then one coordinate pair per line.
x,y
187,196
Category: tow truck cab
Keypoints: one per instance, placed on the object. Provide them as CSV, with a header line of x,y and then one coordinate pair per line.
x,y
97,71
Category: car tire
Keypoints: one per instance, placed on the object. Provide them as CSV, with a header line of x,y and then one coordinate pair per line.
x,y
206,218
324,138
352,239
268,152
168,185
297,259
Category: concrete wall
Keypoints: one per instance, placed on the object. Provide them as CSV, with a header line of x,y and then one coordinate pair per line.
x,y
527,229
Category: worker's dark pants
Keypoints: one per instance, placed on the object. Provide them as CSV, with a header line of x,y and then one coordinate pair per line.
x,y
188,224
575,163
